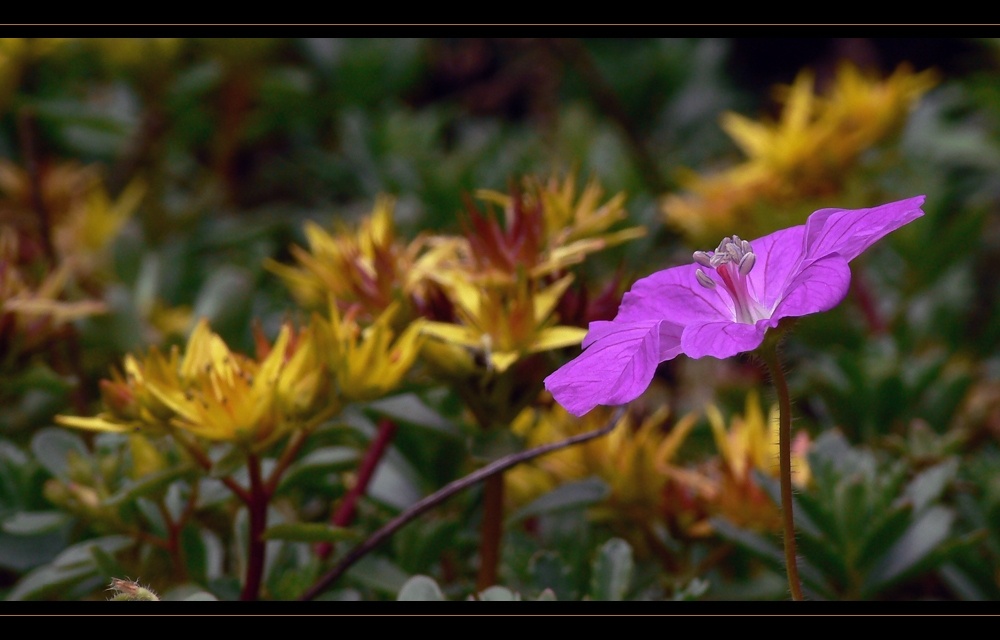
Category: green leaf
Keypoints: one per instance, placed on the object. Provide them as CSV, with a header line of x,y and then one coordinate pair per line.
x,y
492,444
71,567
226,299
497,593
772,486
573,495
82,552
52,446
379,573
411,409
38,376
203,553
420,546
147,485
122,328
549,571
105,563
319,463
925,534
962,584
21,553
758,545
187,591
421,589
850,504
34,523
48,580
395,482
930,484
882,533
693,590
771,554
827,557
232,460
308,532
155,523
612,571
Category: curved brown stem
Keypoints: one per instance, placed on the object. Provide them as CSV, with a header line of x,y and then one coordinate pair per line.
x,y
442,494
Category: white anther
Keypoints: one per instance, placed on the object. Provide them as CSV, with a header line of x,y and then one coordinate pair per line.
x,y
704,280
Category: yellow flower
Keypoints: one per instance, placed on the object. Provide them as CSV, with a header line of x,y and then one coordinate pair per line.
x,y
368,362
725,485
129,403
799,162
631,460
83,219
501,324
84,235
216,394
548,228
30,304
225,396
867,110
368,265
33,308
166,321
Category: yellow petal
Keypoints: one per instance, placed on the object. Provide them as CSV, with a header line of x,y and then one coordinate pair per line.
x,y
453,333
557,337
94,424
546,301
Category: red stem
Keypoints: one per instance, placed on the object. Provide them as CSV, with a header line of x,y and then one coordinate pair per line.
x,y
258,522
344,514
491,532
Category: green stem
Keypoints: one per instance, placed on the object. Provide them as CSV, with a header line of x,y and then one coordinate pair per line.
x,y
769,352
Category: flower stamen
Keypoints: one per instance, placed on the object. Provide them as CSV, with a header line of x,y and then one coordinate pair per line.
x,y
732,260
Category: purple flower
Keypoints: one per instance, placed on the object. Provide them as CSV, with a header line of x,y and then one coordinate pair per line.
x,y
724,303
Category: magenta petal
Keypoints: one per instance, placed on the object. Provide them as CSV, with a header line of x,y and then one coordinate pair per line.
x,y
820,286
778,256
675,295
616,367
851,231
722,339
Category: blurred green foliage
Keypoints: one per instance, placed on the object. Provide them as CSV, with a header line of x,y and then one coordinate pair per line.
x,y
238,142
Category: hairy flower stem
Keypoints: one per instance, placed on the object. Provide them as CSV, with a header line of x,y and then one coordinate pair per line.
x,y
769,353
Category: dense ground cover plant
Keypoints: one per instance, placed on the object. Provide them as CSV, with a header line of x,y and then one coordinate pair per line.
x,y
278,318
